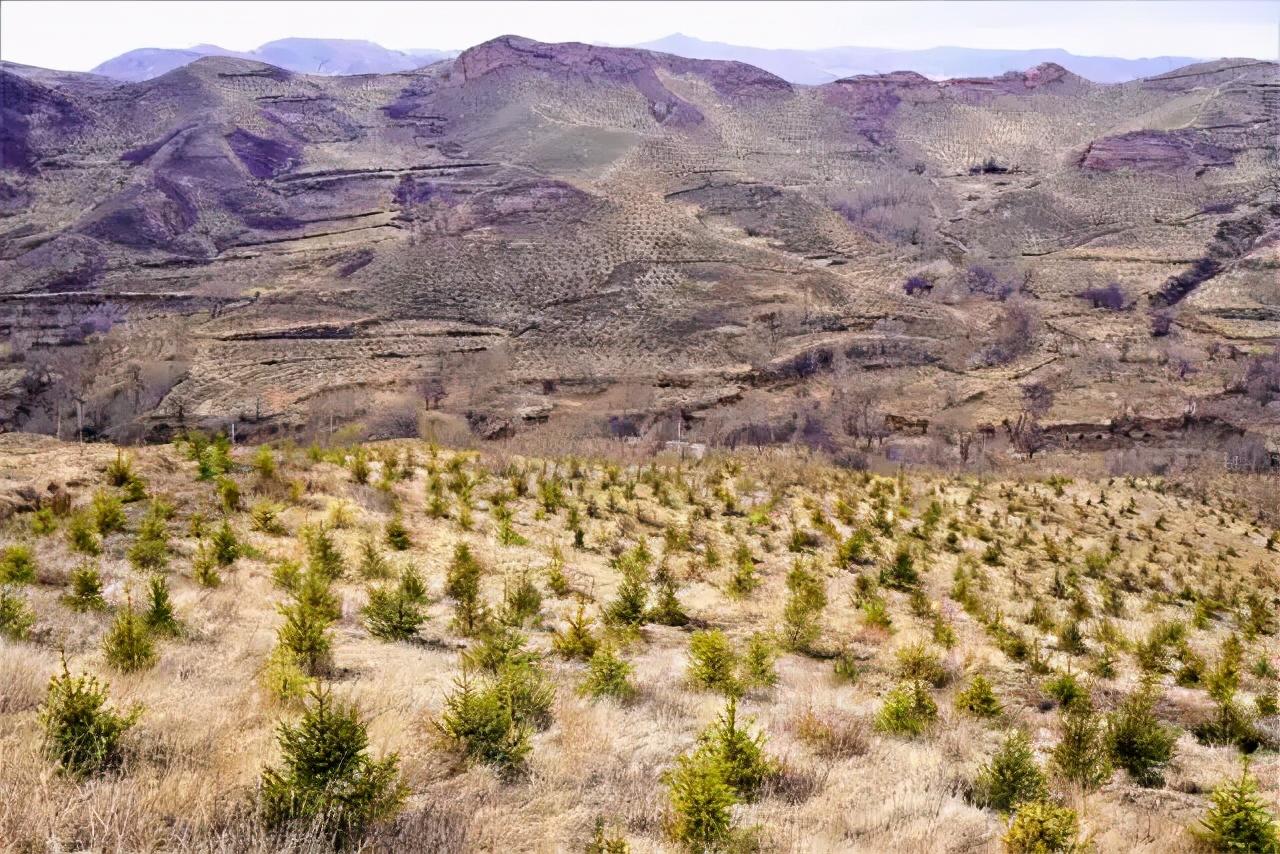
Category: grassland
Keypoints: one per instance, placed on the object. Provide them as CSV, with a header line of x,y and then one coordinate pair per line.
x,y
830,608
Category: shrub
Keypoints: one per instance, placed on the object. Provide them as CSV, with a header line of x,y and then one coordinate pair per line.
x,y
86,589
713,663
391,615
1137,742
608,675
908,710
1012,777
602,843
17,565
1238,819
833,736
228,495
128,645
1041,827
1111,297
327,782
16,616
916,662
264,463
159,617
81,733
978,699
875,613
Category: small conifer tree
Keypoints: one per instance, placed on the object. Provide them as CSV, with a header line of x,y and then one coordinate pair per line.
x,y
576,639
1012,777
608,675
86,589
1238,819
82,534
224,547
81,733
159,616
1136,740
128,645
1042,827
327,782
978,699
713,663
701,803
801,618
16,616
391,615
397,534
908,710
1080,757
305,633
17,565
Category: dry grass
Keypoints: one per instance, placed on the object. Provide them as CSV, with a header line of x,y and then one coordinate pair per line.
x,y
193,761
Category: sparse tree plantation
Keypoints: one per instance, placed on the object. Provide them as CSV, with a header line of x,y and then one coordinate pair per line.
x,y
398,646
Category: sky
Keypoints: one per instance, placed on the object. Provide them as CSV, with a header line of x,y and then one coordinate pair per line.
x,y
75,35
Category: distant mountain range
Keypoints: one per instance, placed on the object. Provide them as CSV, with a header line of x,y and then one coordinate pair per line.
x,y
352,56
308,56
827,64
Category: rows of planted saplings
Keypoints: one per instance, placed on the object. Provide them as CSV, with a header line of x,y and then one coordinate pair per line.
x,y
717,521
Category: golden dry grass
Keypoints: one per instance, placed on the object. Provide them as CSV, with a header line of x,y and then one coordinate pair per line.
x,y
194,759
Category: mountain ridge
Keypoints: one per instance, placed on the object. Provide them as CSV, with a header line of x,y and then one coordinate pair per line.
x,y
305,55
808,67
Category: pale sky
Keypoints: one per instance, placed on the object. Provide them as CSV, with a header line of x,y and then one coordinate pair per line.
x,y
75,35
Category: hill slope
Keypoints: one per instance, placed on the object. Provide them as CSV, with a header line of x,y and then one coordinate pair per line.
x,y
575,232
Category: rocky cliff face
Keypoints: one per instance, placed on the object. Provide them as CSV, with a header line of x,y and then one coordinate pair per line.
x,y
584,231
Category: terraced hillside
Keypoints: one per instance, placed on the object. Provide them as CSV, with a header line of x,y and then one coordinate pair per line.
x,y
536,232
445,651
